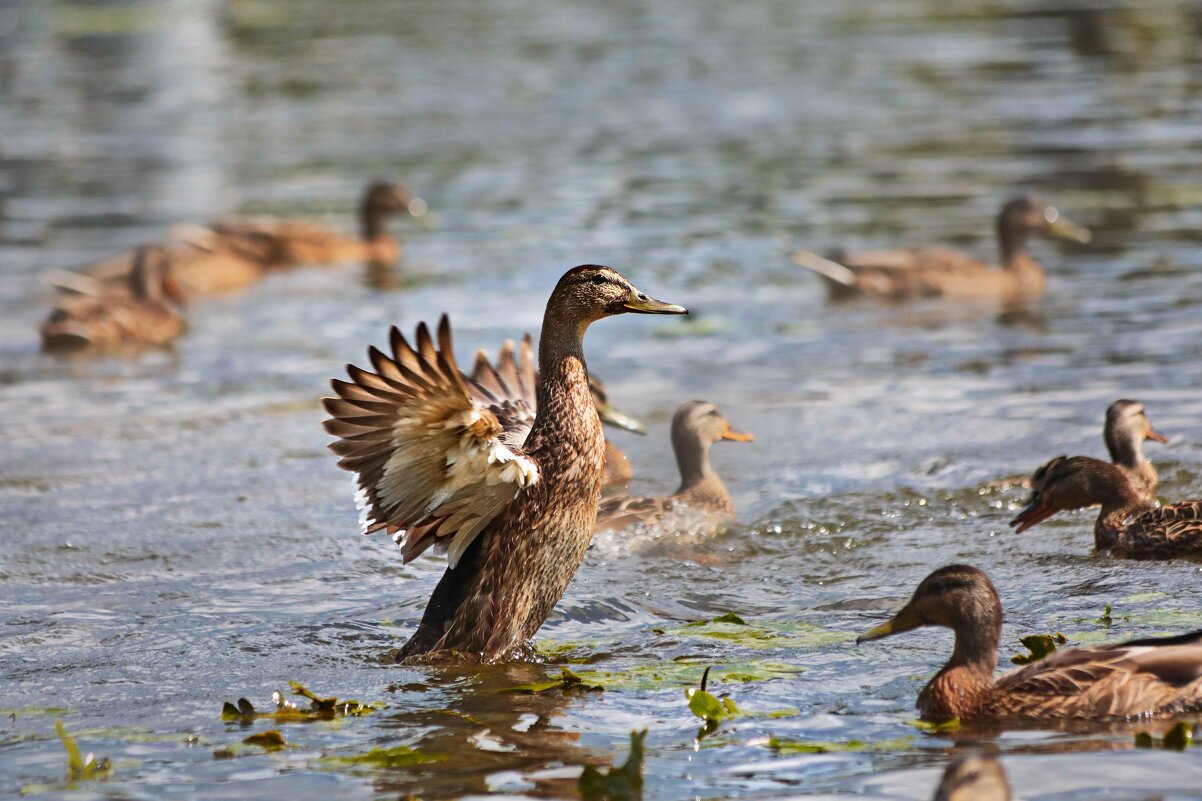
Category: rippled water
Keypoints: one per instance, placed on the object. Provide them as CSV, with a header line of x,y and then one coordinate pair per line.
x,y
176,535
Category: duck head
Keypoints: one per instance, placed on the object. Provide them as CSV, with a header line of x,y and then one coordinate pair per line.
x,y
1024,216
1067,483
958,597
1127,426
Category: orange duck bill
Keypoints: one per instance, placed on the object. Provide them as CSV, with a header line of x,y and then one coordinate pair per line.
x,y
731,434
1156,436
1037,511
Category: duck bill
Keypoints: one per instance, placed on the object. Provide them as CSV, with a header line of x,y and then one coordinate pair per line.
x,y
1156,436
905,620
1035,513
640,303
1062,227
612,417
732,435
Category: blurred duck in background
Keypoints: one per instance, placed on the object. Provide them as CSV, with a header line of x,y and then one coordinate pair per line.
x,y
108,317
1150,677
1128,525
905,274
1127,426
511,384
973,777
233,253
702,501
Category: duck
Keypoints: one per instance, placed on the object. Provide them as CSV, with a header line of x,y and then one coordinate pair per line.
x,y
1129,526
1153,677
233,253
142,314
435,467
906,274
1127,426
973,777
513,380
702,500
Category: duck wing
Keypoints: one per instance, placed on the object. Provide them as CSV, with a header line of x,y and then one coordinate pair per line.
x,y
622,511
913,259
1174,529
431,462
508,389
1155,675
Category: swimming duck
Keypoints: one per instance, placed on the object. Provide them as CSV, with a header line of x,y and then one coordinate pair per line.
x,y
1127,426
513,380
231,254
702,499
435,468
1155,676
142,314
278,243
1129,526
905,274
973,777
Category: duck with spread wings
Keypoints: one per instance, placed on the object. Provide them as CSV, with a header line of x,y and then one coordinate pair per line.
x,y
439,463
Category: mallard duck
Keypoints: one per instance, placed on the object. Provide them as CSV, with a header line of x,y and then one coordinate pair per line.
x,y
1127,426
942,272
438,466
513,380
141,315
278,243
702,499
233,253
973,777
1155,676
1129,526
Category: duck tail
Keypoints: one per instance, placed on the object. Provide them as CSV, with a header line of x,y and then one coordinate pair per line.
x,y
831,270
76,283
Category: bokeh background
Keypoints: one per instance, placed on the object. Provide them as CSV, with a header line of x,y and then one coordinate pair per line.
x,y
175,533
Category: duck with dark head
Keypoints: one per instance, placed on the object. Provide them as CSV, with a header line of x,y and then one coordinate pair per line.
x,y
434,469
940,272
1129,525
1148,678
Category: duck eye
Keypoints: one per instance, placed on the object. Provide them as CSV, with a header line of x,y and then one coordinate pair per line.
x,y
599,279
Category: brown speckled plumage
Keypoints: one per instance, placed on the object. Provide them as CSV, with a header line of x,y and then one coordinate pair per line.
x,y
1151,677
906,274
1127,525
517,524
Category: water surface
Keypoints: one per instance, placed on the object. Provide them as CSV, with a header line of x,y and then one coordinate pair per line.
x,y
176,533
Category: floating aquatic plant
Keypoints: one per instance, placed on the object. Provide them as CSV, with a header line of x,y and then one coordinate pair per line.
x,y
567,681
399,756
707,706
319,708
1039,645
782,746
1178,738
81,768
623,783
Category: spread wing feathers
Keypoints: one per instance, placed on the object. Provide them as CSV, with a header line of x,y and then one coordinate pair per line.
x,y
508,389
432,467
1140,677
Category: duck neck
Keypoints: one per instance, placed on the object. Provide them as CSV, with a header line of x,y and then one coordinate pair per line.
x,y
1125,450
563,393
1012,241
697,479
371,220
977,645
